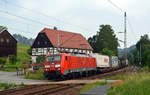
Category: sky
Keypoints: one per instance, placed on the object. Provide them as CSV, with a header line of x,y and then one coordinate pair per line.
x,y
29,17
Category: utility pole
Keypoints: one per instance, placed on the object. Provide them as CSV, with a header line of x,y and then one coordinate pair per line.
x,y
125,29
58,41
125,37
140,55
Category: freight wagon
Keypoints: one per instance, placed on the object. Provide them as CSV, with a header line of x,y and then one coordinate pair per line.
x,y
105,63
114,61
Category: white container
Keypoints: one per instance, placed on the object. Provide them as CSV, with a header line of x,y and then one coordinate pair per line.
x,y
102,61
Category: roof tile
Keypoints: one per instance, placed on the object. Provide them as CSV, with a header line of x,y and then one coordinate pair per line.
x,y
67,39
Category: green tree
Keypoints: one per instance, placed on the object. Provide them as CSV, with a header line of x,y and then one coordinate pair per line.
x,y
29,51
144,45
144,42
3,27
146,58
108,52
105,38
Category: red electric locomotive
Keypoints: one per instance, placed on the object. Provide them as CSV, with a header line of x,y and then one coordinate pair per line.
x,y
66,65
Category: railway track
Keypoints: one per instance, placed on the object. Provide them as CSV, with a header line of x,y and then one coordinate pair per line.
x,y
55,89
39,89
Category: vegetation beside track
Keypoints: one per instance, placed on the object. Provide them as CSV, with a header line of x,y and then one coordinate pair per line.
x,y
119,77
132,84
91,85
22,58
4,86
37,75
22,53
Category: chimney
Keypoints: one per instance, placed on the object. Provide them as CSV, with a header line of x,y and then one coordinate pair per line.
x,y
55,28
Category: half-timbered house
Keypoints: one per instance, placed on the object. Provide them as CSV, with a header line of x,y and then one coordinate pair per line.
x,y
52,41
8,44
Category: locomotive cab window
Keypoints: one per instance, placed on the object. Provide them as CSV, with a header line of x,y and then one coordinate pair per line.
x,y
53,58
66,58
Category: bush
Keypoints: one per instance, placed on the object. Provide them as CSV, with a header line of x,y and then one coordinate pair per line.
x,y
3,61
4,86
40,59
135,84
13,59
38,75
146,69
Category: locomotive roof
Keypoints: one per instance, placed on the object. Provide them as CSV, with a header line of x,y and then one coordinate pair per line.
x,y
67,39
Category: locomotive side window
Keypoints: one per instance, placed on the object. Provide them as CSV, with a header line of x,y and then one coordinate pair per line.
x,y
53,58
66,58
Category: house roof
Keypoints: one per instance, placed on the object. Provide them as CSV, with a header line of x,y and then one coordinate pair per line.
x,y
66,39
5,30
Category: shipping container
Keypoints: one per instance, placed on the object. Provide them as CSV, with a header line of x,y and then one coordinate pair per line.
x,y
102,61
113,61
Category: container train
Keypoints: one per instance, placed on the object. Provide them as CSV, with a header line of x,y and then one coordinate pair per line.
x,y
69,65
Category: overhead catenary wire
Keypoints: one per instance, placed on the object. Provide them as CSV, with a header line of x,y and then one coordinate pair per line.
x,y
48,16
116,6
24,18
35,21
128,21
131,29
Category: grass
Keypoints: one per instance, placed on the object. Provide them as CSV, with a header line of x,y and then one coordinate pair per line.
x,y
91,85
134,84
4,86
22,54
9,68
119,77
37,75
22,58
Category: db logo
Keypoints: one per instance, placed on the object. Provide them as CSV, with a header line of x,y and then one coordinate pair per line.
x,y
105,60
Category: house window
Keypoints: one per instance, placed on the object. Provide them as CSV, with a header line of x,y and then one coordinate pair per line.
x,y
45,43
2,40
38,42
48,50
36,50
7,40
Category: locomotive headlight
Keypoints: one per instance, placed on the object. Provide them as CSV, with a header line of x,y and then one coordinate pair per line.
x,y
57,65
47,66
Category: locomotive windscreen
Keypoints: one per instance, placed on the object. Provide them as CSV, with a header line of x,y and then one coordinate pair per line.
x,y
53,58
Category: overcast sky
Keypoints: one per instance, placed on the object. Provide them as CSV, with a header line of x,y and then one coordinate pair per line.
x,y
80,16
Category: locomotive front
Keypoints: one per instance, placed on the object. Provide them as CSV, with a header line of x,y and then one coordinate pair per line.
x,y
52,66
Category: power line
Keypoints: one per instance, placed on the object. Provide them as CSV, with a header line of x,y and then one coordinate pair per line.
x,y
19,30
45,15
115,6
18,22
132,35
131,28
24,18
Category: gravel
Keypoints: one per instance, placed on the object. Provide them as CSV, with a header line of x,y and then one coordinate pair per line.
x,y
11,77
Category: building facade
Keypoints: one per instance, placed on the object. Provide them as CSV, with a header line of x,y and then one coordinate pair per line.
x,y
8,44
51,41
